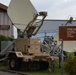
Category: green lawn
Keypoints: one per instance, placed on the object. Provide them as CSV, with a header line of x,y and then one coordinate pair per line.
x,y
46,72
3,66
57,72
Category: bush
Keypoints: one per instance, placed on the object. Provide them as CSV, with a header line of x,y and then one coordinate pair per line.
x,y
4,38
70,66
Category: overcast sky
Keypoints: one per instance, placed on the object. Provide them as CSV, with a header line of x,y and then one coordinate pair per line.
x,y
57,9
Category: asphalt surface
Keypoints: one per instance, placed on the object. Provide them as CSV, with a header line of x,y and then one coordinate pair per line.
x,y
7,73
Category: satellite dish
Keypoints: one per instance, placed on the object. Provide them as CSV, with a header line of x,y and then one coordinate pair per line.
x,y
21,12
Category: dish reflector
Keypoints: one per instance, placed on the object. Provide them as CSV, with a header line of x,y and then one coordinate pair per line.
x,y
21,12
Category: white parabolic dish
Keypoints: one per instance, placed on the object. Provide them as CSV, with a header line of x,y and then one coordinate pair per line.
x,y
21,12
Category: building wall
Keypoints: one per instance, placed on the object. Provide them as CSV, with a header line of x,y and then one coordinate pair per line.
x,y
4,20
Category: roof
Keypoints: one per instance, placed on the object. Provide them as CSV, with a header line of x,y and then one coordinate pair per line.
x,y
52,26
4,7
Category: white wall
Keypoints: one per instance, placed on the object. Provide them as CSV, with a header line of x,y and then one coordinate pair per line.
x,y
4,20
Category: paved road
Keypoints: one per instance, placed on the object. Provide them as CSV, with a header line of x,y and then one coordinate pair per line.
x,y
7,73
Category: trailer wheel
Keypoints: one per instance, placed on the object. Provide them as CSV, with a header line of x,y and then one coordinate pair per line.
x,y
14,63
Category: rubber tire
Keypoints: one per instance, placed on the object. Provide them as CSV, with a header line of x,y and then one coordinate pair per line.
x,y
16,61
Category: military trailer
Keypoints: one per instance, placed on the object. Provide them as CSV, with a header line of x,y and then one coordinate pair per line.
x,y
26,50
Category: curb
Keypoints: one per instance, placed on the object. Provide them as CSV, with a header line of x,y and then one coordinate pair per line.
x,y
15,72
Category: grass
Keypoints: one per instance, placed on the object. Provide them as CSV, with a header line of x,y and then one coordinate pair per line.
x,y
3,65
57,72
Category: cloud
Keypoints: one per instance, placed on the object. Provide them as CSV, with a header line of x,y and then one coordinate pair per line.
x,y
63,11
57,9
6,2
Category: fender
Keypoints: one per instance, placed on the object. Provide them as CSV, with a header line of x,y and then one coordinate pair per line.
x,y
18,54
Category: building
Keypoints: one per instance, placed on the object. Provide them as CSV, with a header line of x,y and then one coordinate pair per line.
x,y
6,27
